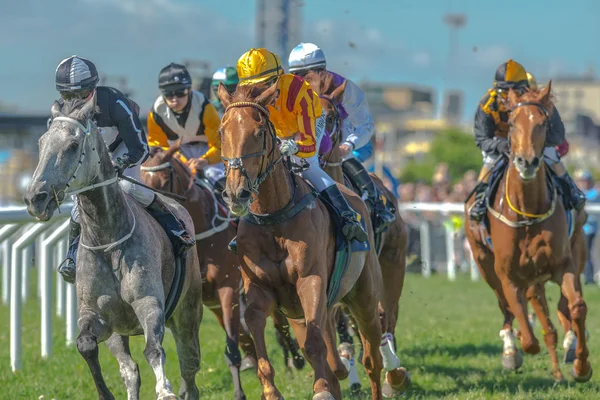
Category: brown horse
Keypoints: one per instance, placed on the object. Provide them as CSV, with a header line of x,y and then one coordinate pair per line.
x,y
530,243
287,243
391,246
221,277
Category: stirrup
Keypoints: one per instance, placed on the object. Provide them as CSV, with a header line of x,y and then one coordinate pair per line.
x,y
232,246
68,270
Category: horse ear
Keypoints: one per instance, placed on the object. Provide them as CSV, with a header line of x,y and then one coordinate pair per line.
x,y
224,95
268,96
513,99
55,110
545,95
338,93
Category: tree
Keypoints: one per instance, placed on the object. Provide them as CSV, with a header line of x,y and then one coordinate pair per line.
x,y
453,147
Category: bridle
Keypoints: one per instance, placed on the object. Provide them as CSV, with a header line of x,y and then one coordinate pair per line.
x,y
336,132
237,162
87,131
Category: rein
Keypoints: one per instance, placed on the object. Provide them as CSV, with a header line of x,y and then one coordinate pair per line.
x,y
87,131
335,134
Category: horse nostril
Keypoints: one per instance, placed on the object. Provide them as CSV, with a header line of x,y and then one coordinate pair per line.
x,y
520,160
38,198
535,162
244,195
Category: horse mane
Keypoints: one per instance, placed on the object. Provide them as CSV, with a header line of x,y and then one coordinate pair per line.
x,y
72,108
321,81
247,92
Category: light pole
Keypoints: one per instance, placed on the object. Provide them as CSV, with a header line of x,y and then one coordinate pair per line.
x,y
455,21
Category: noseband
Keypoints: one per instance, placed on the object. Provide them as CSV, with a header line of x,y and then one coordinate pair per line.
x,y
237,162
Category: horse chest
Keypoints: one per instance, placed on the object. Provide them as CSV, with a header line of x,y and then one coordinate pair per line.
x,y
535,255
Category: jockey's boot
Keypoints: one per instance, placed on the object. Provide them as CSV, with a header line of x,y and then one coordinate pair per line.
x,y
384,216
352,229
181,240
576,197
479,207
67,267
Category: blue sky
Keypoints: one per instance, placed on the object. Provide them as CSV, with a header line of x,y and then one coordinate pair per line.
x,y
396,40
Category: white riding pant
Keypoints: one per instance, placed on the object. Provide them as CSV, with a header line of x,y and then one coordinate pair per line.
x,y
314,174
550,156
144,196
212,172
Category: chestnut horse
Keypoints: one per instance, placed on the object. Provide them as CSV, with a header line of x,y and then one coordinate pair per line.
x,y
221,277
530,241
391,246
286,245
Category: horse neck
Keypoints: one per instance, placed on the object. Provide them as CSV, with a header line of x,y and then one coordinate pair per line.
x,y
104,211
334,171
274,193
530,197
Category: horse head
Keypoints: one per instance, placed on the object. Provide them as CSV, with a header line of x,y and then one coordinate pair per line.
x,y
72,155
248,143
529,117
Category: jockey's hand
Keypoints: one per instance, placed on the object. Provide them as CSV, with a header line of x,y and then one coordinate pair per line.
x,y
345,150
288,147
121,164
197,163
503,146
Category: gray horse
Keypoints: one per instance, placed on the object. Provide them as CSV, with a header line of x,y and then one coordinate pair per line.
x,y
125,265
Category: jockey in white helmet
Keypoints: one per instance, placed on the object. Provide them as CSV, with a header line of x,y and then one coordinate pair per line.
x,y
357,127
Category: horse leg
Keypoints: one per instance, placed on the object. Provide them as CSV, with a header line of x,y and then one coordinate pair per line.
x,y
537,297
130,373
245,341
231,323
150,313
571,288
311,292
518,305
282,327
260,305
346,349
92,331
339,365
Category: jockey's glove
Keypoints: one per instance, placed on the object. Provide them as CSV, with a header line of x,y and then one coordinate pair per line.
x,y
288,147
121,164
503,146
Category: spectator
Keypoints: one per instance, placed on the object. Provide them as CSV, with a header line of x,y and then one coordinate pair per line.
x,y
585,182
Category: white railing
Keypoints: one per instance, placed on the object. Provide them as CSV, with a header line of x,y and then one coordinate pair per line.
x,y
446,210
20,236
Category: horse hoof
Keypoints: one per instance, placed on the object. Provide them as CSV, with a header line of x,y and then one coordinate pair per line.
x,y
298,362
355,387
396,383
167,396
512,362
558,376
323,396
581,379
248,363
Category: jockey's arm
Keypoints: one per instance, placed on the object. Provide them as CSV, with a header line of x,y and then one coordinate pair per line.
x,y
358,127
131,131
307,108
555,135
211,121
156,136
485,131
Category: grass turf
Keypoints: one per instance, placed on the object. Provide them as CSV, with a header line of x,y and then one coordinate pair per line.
x,y
447,336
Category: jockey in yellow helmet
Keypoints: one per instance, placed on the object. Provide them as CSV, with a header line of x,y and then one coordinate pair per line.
x,y
300,124
491,135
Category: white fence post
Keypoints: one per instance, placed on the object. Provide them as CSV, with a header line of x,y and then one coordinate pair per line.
x,y
425,249
450,255
5,237
46,284
26,257
60,283
15,292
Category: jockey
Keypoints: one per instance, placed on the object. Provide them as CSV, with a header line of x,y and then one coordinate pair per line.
x,y
491,135
180,112
229,77
120,127
357,128
300,124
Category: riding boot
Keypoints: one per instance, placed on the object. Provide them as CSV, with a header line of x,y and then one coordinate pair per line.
x,y
576,196
479,207
67,267
383,215
352,229
181,240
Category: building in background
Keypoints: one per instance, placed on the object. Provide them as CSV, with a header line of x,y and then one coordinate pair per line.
x,y
279,26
